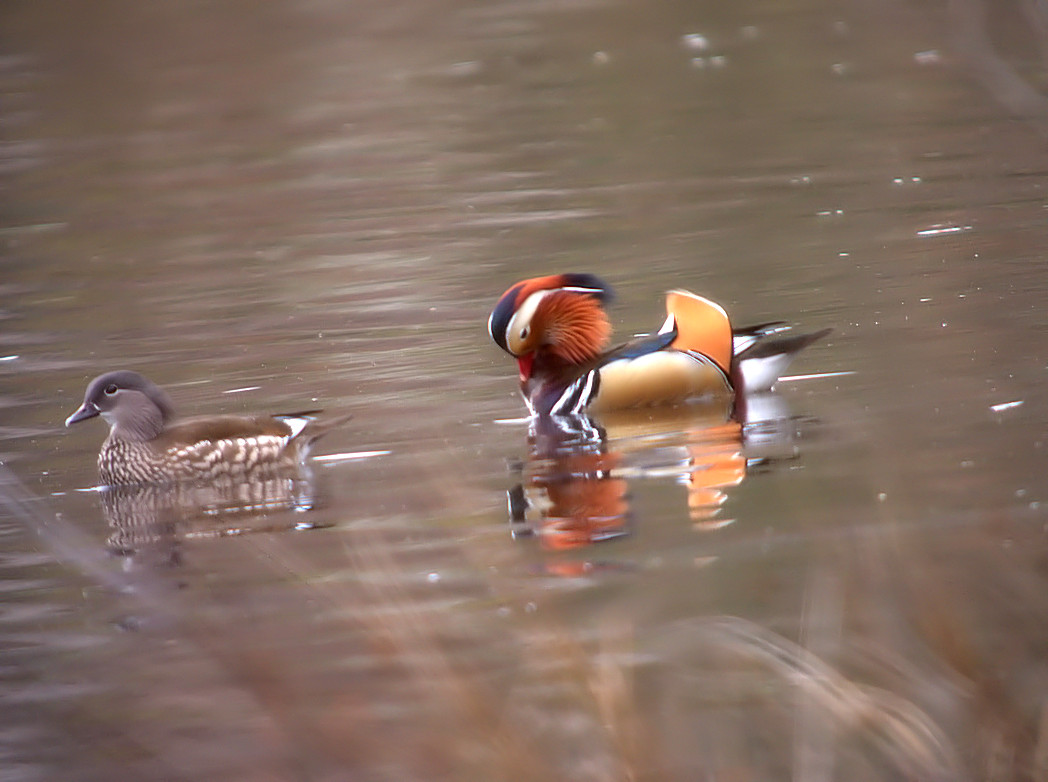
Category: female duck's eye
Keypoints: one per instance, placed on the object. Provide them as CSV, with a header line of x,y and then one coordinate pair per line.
x,y
111,389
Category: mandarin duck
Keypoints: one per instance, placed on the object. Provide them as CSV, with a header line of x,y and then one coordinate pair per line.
x,y
557,329
146,445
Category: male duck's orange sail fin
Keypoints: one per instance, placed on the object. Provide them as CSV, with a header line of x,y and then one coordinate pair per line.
x,y
702,326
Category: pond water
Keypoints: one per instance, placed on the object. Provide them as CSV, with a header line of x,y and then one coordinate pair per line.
x,y
288,204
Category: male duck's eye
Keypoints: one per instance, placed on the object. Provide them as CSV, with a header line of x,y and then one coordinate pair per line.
x,y
524,333
111,389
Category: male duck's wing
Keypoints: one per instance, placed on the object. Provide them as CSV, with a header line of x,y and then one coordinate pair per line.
x,y
641,346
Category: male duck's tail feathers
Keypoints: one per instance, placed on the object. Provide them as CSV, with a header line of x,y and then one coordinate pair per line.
x,y
763,357
702,327
745,337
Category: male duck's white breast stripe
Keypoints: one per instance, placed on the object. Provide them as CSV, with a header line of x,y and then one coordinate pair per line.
x,y
576,396
531,407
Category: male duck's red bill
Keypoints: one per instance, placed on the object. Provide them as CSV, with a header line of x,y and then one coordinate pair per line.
x,y
557,329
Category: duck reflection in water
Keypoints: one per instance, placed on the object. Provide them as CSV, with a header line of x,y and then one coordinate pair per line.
x,y
151,522
569,480
574,483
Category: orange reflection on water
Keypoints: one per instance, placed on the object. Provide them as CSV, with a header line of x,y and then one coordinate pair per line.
x,y
569,482
716,463
574,483
574,488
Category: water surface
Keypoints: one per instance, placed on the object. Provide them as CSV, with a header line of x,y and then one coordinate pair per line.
x,y
289,204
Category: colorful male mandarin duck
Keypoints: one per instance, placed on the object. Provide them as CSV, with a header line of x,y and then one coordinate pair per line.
x,y
146,445
558,331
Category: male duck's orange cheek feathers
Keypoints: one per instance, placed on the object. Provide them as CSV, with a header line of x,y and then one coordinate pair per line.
x,y
575,326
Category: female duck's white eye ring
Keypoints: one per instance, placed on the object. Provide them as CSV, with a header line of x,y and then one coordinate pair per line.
x,y
110,389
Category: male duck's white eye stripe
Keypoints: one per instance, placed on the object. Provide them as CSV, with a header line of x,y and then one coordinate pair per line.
x,y
525,312
574,289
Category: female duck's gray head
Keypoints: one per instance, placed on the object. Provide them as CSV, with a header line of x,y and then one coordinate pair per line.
x,y
134,407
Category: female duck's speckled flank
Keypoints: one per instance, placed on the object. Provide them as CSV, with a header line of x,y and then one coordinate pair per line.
x,y
146,444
